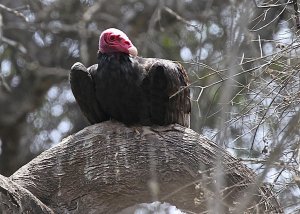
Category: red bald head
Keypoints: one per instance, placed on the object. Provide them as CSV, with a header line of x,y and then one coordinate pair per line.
x,y
113,40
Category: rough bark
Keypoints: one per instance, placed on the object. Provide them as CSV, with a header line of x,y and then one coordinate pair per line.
x,y
16,199
108,167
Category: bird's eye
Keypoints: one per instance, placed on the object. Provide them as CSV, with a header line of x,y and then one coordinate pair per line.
x,y
112,38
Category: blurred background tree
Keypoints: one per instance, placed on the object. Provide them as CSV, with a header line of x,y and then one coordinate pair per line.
x,y
241,57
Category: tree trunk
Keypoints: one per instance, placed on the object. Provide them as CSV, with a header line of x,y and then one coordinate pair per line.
x,y
108,167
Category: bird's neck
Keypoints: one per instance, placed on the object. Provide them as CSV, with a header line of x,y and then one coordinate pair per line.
x,y
119,56
113,54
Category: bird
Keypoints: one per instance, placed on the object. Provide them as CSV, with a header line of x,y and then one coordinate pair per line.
x,y
133,90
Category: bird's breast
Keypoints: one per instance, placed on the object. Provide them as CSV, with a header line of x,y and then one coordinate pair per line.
x,y
118,90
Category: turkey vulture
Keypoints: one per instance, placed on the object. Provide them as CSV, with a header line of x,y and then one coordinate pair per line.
x,y
128,88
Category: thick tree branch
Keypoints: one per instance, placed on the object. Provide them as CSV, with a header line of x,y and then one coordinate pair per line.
x,y
16,199
109,167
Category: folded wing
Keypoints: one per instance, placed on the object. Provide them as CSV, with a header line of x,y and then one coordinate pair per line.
x,y
83,88
166,87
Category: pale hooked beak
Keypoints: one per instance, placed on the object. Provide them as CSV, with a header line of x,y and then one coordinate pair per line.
x,y
133,51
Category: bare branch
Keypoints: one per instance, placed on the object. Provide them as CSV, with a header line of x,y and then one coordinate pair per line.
x,y
15,12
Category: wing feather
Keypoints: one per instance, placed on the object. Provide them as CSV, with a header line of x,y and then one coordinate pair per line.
x,y
168,93
83,88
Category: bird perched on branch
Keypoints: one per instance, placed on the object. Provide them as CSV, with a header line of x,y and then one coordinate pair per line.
x,y
128,88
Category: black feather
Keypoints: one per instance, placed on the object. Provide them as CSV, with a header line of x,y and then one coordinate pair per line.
x,y
83,88
132,90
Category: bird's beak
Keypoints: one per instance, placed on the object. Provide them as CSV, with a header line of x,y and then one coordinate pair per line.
x,y
133,51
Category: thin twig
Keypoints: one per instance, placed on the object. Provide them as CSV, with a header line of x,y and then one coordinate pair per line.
x,y
17,13
295,3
